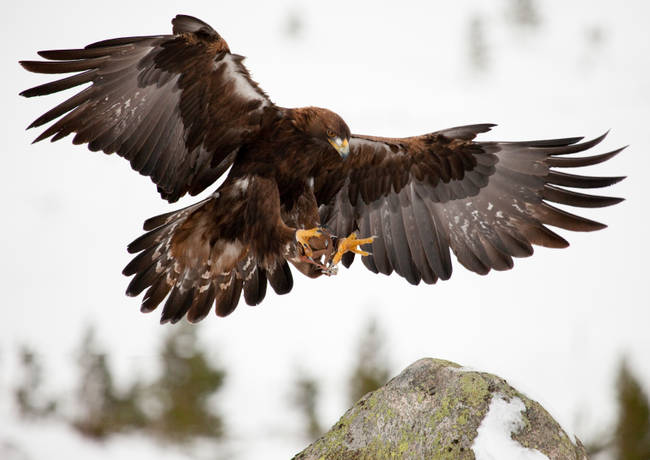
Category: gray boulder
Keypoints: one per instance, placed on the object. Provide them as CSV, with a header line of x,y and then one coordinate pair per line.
x,y
436,409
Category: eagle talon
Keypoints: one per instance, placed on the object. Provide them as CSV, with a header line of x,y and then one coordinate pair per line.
x,y
331,271
325,270
303,236
351,244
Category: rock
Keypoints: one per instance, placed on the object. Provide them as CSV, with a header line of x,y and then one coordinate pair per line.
x,y
436,409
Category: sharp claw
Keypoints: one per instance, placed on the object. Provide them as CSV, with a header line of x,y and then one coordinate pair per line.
x,y
351,244
303,236
328,271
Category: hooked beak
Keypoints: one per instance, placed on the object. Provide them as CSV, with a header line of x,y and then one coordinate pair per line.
x,y
341,146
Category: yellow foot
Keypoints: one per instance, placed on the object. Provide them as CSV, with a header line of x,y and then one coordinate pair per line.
x,y
303,236
350,244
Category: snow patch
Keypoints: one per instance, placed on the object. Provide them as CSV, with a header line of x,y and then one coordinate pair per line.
x,y
494,440
463,369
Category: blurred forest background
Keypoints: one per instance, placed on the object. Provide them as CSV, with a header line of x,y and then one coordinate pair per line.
x,y
181,406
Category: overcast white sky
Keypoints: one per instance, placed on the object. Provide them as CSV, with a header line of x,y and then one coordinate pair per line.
x,y
554,327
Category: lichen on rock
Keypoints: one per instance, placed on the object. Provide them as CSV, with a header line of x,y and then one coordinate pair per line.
x,y
434,409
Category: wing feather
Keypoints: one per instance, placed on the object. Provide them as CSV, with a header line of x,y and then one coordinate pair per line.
x,y
421,266
202,304
487,202
583,200
403,259
176,106
255,287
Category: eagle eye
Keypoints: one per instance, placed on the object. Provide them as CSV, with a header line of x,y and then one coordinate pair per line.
x,y
331,133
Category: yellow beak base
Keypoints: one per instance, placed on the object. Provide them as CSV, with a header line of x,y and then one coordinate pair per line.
x,y
340,145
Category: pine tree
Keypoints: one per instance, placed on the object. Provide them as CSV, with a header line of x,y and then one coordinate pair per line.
x,y
31,403
477,47
184,389
102,411
523,13
632,436
305,396
371,370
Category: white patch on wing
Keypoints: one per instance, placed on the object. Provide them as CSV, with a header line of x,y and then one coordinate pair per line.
x,y
250,275
494,435
228,255
355,141
515,205
156,253
180,281
247,264
377,145
242,184
465,227
231,250
243,87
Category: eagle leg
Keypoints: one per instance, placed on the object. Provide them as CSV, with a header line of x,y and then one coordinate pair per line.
x,y
350,244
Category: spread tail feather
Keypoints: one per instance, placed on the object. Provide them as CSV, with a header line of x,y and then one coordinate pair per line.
x,y
184,259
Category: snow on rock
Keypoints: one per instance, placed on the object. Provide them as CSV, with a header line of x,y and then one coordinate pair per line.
x,y
494,440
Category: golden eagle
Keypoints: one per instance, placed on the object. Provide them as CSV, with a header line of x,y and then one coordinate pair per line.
x,y
183,109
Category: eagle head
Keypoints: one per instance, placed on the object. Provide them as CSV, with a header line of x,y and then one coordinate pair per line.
x,y
324,127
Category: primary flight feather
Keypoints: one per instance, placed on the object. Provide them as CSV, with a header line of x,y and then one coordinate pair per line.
x,y
183,109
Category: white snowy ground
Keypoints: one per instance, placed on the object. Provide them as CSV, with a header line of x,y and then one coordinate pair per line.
x,y
554,326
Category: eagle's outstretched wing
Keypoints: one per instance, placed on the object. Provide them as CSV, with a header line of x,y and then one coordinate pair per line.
x,y
177,106
487,201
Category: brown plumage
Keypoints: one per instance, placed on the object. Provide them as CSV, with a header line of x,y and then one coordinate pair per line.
x,y
183,109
